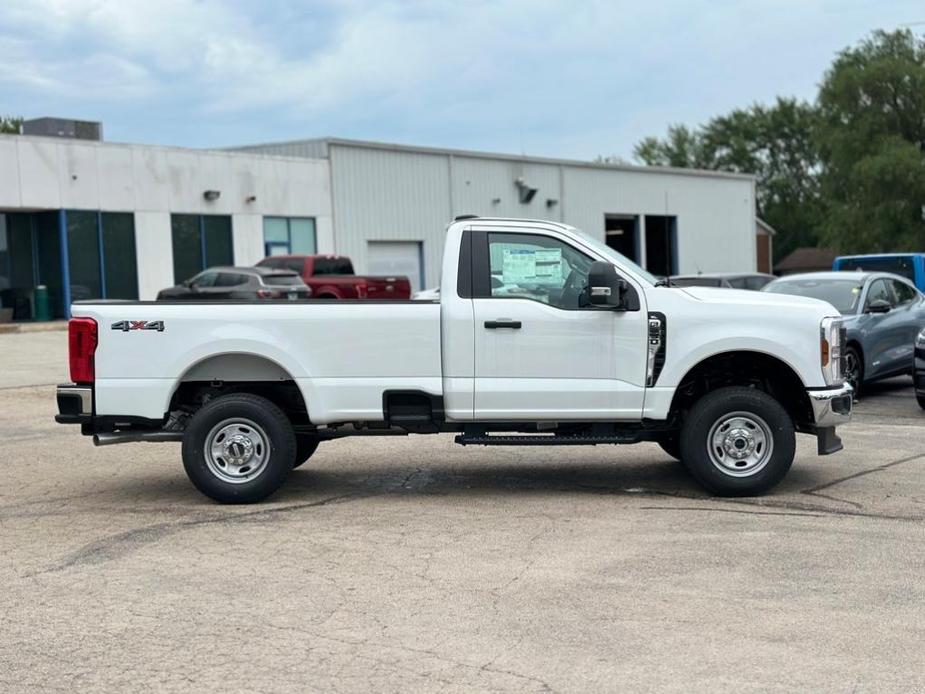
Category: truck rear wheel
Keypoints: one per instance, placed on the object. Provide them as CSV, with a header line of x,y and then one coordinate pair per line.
x,y
238,448
738,441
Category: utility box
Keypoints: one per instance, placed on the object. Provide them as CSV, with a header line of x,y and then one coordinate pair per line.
x,y
64,127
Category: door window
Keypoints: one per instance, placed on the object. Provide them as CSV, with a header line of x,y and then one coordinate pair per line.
x,y
230,279
904,292
879,291
540,268
206,279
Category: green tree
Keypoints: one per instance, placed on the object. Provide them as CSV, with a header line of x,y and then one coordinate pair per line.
x,y
9,125
872,138
776,143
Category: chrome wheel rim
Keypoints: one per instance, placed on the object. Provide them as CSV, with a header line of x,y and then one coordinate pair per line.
x,y
237,450
740,444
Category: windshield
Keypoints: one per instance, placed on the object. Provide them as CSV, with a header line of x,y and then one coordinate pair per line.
x,y
842,294
617,257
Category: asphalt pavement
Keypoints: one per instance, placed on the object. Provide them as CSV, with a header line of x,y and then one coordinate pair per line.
x,y
413,564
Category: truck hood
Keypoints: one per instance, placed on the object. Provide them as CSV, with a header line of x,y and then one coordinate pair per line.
x,y
743,297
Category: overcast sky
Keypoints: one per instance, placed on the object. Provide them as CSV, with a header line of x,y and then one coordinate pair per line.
x,y
570,79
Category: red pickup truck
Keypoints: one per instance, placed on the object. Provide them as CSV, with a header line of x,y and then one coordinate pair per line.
x,y
332,277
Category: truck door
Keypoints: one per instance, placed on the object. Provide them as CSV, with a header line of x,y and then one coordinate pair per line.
x,y
541,351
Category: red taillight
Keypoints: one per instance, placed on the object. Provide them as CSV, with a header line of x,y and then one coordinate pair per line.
x,y
267,294
81,345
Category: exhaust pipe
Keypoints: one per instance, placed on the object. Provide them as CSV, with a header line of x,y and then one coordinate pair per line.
x,y
108,439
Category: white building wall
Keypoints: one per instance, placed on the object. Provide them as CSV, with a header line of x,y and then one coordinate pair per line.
x,y
383,193
716,214
390,196
154,250
153,182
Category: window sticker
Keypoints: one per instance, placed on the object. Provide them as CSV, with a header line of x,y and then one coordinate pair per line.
x,y
522,265
549,264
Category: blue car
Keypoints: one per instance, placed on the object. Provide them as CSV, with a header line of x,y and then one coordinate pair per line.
x,y
883,314
908,265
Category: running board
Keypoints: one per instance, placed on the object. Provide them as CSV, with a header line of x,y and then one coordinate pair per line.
x,y
541,440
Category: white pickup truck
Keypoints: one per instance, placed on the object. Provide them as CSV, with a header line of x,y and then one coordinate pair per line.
x,y
542,337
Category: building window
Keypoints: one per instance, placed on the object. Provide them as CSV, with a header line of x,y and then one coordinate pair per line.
x,y
101,255
289,236
199,242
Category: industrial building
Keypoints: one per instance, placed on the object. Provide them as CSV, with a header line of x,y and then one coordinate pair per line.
x,y
94,219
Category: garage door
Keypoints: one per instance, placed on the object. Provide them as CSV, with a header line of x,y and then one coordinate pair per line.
x,y
396,258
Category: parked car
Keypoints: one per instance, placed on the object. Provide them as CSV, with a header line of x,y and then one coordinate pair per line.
x,y
224,283
908,265
547,338
882,312
747,280
918,375
332,277
427,295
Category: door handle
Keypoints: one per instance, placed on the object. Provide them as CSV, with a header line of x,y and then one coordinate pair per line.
x,y
504,323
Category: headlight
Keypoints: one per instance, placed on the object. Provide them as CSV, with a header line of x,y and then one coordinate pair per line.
x,y
920,339
831,344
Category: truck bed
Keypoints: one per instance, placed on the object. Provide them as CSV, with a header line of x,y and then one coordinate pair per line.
x,y
342,354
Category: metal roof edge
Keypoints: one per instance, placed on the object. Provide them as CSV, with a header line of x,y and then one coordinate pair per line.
x,y
476,154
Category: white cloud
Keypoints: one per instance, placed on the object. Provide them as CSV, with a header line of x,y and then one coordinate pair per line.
x,y
584,77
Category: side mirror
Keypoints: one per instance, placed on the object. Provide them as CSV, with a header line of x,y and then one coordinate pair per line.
x,y
608,290
878,306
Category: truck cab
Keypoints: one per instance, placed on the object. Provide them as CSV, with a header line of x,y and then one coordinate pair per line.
x,y
542,336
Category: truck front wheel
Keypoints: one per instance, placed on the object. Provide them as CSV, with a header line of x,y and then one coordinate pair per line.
x,y
738,441
306,445
238,448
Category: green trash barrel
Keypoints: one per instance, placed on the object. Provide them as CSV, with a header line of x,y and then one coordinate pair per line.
x,y
42,304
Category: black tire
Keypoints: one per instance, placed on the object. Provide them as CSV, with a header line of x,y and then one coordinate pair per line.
x,y
672,446
921,400
854,370
272,446
758,417
305,447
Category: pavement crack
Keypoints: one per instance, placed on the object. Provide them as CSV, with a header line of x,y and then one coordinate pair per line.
x,y
115,546
878,468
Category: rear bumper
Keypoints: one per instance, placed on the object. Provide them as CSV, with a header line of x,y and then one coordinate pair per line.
x,y
75,404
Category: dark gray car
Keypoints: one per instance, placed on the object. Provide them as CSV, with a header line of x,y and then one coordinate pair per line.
x,y
228,283
883,313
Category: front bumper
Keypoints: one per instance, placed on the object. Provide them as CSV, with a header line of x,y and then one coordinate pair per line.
x,y
831,407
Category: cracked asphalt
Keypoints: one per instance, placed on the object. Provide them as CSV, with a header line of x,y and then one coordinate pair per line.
x,y
413,564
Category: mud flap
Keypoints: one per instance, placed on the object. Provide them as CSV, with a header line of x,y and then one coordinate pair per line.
x,y
827,441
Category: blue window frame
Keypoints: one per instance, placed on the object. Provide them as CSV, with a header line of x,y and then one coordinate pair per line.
x,y
289,236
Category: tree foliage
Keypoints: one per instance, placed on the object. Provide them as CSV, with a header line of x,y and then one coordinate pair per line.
x,y
847,171
9,125
773,142
872,137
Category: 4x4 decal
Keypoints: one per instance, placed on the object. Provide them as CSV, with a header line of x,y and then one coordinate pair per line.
x,y
126,325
